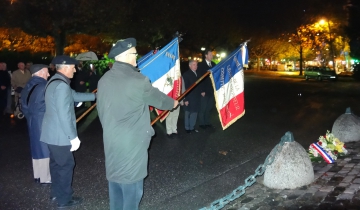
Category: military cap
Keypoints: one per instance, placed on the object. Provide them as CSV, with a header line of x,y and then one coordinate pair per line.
x,y
37,67
121,46
65,60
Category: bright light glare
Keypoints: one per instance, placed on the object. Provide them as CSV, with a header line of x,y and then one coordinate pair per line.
x,y
223,55
322,21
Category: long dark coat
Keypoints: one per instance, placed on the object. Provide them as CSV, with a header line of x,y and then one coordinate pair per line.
x,y
80,75
123,100
4,81
205,85
194,95
93,80
33,108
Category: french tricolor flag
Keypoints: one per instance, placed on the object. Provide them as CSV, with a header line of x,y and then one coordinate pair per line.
x,y
228,81
322,152
163,70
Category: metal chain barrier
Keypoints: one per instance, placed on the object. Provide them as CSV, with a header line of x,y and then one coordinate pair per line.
x,y
260,170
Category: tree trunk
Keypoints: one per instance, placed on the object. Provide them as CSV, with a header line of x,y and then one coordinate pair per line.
x,y
258,63
60,41
301,61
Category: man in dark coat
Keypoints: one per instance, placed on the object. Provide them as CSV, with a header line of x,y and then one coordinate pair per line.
x,y
124,97
192,99
207,91
52,70
5,85
93,78
80,78
33,107
59,130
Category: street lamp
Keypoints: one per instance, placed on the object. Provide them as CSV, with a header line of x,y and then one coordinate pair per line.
x,y
203,49
322,22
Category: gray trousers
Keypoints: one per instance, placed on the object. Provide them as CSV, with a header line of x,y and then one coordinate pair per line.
x,y
207,103
171,121
41,169
190,120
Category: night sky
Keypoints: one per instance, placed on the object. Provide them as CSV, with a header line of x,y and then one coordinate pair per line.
x,y
277,16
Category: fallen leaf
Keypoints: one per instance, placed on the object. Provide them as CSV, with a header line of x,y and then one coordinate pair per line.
x,y
223,152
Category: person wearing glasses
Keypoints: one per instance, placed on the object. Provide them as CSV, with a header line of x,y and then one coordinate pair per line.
x,y
123,100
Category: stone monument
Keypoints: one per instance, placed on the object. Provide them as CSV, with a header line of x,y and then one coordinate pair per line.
x,y
347,127
291,168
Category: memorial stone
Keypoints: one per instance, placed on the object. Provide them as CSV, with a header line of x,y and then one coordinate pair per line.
x,y
347,127
292,167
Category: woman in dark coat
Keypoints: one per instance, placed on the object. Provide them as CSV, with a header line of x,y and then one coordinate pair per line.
x,y
192,99
33,107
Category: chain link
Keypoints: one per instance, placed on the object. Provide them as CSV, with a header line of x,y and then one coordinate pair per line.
x,y
260,170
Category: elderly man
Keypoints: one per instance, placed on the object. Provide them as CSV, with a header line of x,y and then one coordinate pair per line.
x,y
19,79
59,129
192,99
33,107
124,97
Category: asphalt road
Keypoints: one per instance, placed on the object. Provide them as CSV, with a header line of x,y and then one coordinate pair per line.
x,y
191,170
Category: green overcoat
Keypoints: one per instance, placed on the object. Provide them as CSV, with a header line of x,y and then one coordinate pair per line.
x,y
123,100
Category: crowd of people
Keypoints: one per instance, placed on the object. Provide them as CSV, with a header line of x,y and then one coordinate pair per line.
x,y
47,95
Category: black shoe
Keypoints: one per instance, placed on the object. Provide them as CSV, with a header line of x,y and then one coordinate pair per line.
x,y
203,126
73,202
210,126
52,199
194,130
37,180
188,131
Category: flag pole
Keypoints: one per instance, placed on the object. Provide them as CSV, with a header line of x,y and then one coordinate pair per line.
x,y
87,111
164,112
181,96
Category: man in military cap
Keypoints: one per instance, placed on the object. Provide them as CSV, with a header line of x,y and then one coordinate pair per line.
x,y
33,107
59,129
124,97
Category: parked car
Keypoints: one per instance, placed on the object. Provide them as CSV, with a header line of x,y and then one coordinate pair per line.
x,y
320,73
356,71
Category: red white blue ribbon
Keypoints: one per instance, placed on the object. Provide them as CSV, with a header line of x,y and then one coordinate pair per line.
x,y
322,152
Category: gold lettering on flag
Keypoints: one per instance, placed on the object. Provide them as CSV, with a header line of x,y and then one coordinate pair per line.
x,y
169,55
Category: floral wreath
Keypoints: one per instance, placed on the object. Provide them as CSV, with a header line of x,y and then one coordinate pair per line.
x,y
328,148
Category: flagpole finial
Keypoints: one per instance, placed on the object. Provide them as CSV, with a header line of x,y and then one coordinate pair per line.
x,y
244,43
178,35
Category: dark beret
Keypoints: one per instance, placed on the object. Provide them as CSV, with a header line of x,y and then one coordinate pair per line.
x,y
121,46
64,59
37,67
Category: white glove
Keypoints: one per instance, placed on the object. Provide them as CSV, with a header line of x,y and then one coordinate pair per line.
x,y
75,144
79,104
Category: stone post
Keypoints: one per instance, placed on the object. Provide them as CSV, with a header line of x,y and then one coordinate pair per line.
x,y
292,167
347,127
